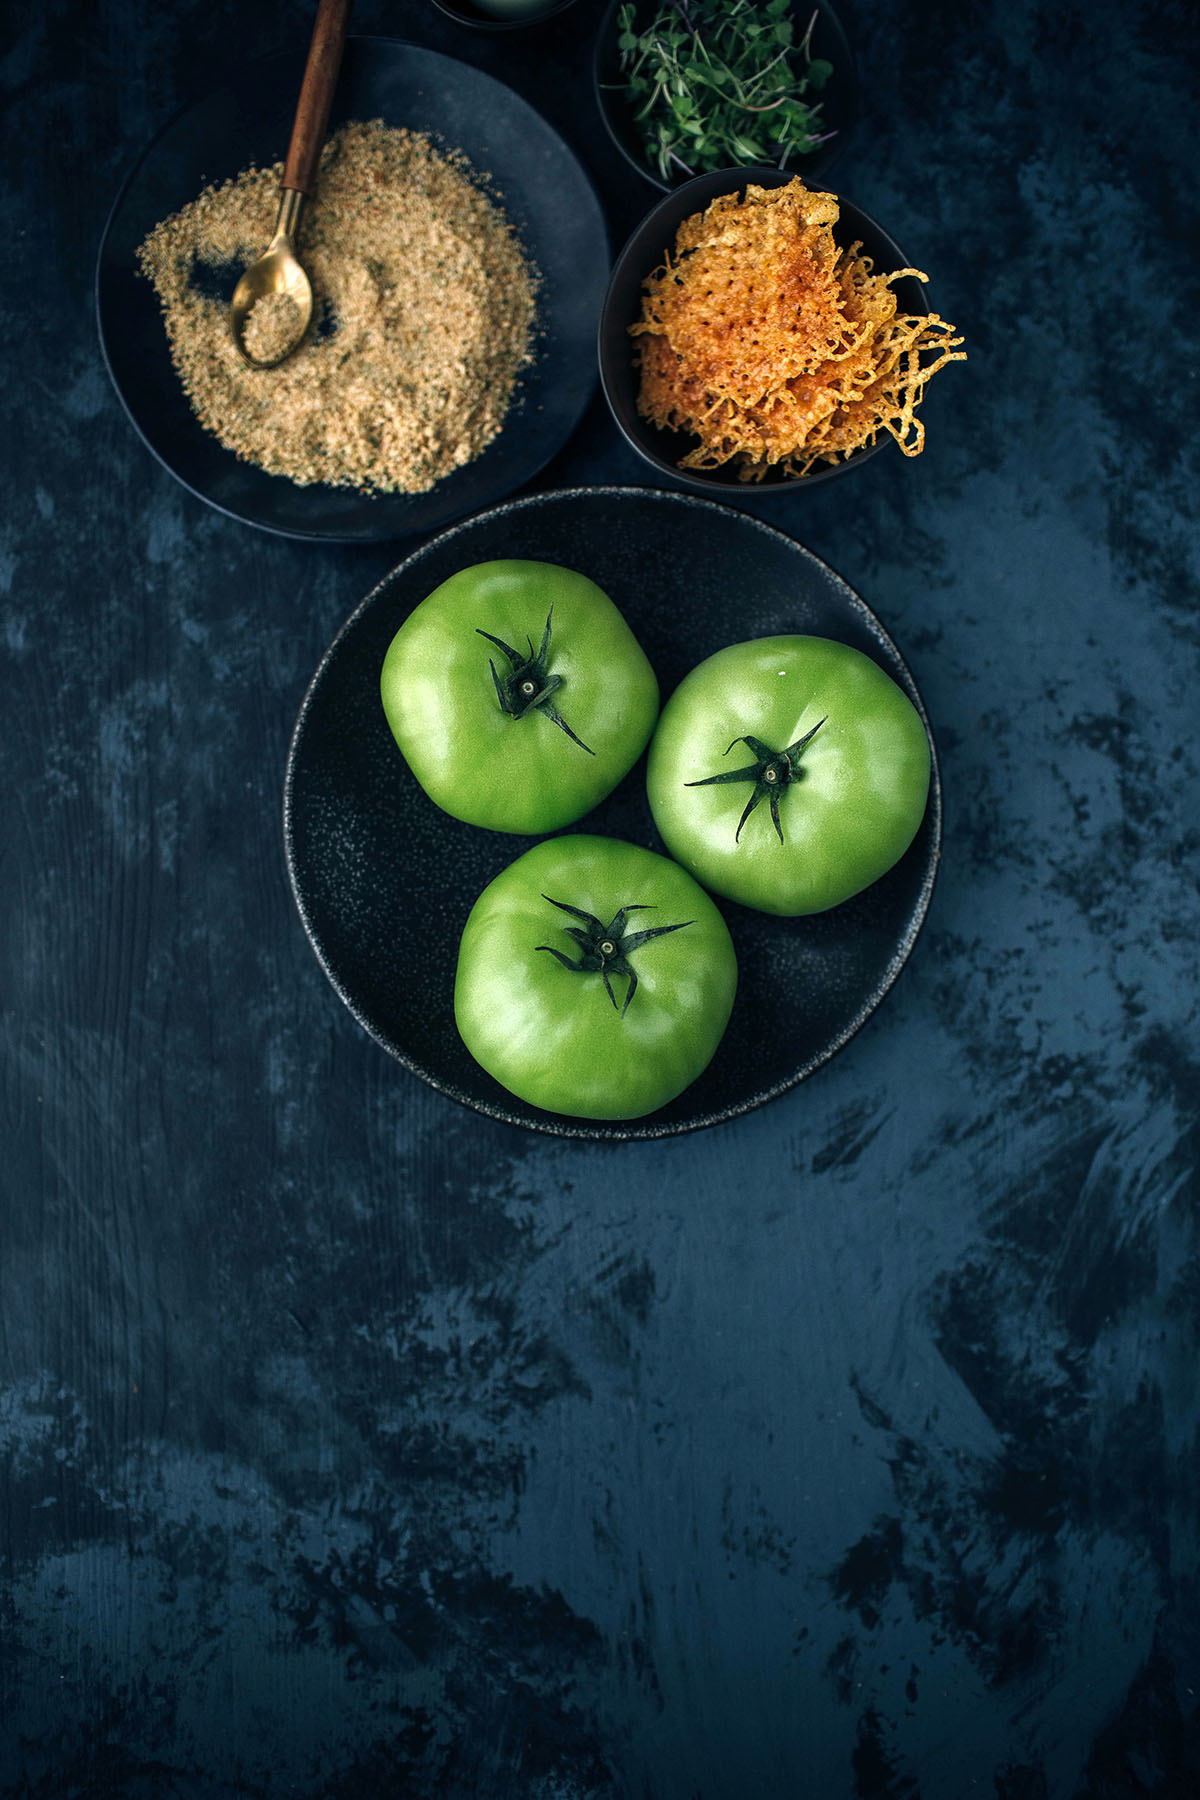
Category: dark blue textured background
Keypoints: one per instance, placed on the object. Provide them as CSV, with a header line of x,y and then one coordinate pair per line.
x,y
355,1445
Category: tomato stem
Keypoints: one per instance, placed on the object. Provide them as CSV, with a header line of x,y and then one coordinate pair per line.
x,y
529,683
770,773
605,949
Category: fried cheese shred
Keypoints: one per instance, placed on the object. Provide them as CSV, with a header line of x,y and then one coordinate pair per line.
x,y
776,348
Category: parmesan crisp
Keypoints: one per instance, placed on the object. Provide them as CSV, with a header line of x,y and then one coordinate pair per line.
x,y
774,347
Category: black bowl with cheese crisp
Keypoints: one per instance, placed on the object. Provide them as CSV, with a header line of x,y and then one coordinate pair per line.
x,y
759,329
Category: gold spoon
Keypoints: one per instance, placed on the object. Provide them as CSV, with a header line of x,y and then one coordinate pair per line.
x,y
278,270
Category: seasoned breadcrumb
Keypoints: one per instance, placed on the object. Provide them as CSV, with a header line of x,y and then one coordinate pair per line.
x,y
272,328
424,316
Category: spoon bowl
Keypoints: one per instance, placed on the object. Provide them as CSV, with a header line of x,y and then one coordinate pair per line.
x,y
278,271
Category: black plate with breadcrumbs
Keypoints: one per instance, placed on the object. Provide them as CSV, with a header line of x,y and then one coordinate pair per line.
x,y
544,193
384,880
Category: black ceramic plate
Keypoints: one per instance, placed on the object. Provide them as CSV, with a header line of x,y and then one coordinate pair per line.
x,y
384,880
545,193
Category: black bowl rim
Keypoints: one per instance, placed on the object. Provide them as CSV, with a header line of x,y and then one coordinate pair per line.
x,y
817,164
716,183
637,1130
297,534
474,20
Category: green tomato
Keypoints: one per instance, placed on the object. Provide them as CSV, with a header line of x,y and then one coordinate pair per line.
x,y
518,695
595,978
788,773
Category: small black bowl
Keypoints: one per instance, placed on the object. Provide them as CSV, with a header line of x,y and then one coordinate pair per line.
x,y
839,97
645,252
464,12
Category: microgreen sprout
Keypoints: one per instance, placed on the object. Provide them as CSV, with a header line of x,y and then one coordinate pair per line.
x,y
717,83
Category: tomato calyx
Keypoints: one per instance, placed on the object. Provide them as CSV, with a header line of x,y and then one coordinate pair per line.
x,y
770,773
529,683
605,949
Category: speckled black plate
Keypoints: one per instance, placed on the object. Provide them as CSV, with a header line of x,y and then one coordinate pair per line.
x,y
384,880
545,194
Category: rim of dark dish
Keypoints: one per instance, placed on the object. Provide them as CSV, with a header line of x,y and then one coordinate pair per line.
x,y
839,98
475,19
644,252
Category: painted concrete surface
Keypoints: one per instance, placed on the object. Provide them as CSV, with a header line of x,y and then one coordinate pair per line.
x,y
355,1444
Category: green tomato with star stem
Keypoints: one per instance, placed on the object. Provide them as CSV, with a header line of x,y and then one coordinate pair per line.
x,y
595,978
518,695
788,773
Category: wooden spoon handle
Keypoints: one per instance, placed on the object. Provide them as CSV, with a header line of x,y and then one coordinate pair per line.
x,y
316,95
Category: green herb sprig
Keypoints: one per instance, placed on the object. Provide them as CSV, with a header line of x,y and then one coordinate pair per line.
x,y
714,84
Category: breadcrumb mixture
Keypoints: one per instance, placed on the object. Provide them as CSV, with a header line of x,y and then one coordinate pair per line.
x,y
423,317
272,327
